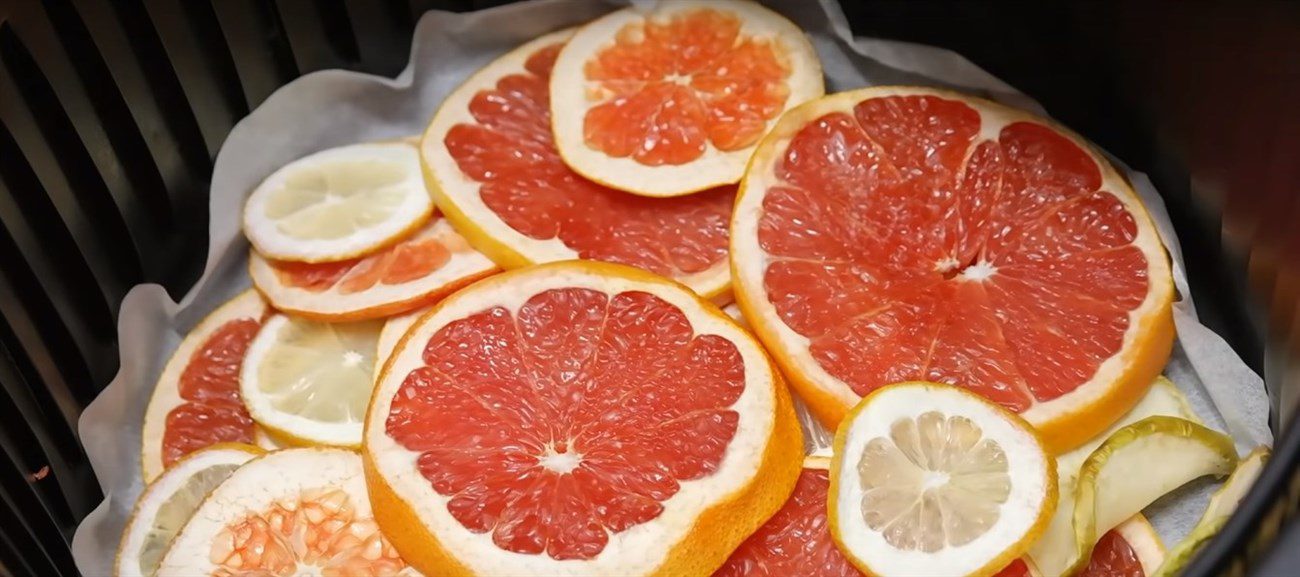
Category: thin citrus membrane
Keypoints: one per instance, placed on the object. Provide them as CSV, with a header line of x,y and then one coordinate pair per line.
x,y
491,164
896,233
671,99
580,418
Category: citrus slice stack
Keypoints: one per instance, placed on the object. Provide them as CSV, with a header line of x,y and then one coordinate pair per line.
x,y
307,382
893,233
291,512
796,540
1133,549
930,479
196,402
492,166
672,99
577,418
416,271
167,504
338,204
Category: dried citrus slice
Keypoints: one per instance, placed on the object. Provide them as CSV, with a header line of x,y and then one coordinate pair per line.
x,y
577,418
308,382
796,540
931,479
167,503
895,233
394,329
1221,506
492,166
418,270
672,99
338,204
1133,549
291,512
196,401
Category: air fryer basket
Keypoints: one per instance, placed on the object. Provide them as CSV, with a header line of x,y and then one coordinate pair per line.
x,y
112,111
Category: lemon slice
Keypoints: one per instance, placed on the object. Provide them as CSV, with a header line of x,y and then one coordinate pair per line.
x,y
1220,508
307,382
339,203
167,503
930,479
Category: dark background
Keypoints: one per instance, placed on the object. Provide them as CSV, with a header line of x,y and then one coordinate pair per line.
x,y
111,113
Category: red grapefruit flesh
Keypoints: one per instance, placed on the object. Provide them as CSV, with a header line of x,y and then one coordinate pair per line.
x,y
795,541
1112,557
915,234
212,412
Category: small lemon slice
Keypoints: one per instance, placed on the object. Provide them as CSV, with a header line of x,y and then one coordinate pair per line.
x,y
167,504
308,382
339,203
930,479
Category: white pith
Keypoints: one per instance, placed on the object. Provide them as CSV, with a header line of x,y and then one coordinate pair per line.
x,y
415,207
569,100
394,329
636,551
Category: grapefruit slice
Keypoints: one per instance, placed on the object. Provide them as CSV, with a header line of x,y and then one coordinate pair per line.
x,y
797,539
168,502
1133,549
394,329
491,164
896,233
577,418
673,99
291,512
418,270
308,383
196,401
338,204
931,479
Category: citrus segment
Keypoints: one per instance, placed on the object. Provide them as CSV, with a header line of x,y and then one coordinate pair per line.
x,y
167,503
196,402
891,234
796,540
291,512
416,271
494,170
671,99
578,418
931,479
1221,506
1132,549
308,383
338,204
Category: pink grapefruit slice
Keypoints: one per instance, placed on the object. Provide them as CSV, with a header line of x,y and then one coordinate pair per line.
x,y
418,270
1133,549
196,402
491,164
671,98
577,418
897,233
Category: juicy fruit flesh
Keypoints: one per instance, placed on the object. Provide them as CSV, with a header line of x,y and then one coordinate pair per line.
x,y
173,515
904,247
334,199
510,150
572,419
934,483
666,90
320,533
212,411
1112,557
407,261
321,371
795,541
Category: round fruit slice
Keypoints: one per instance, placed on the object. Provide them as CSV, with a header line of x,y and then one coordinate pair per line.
x,y
1133,549
796,540
338,204
577,418
930,479
291,512
492,166
308,383
196,402
419,270
1221,506
673,100
894,233
394,329
167,504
